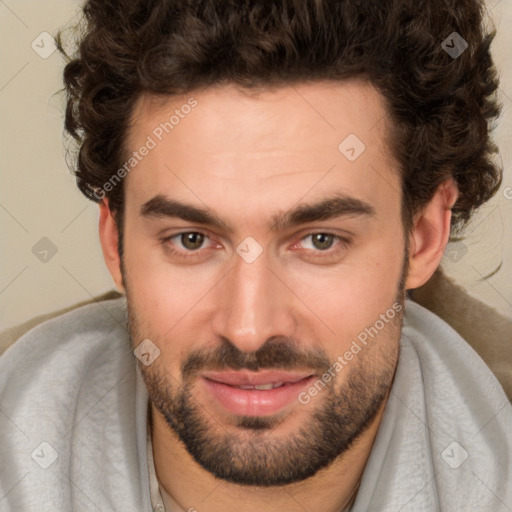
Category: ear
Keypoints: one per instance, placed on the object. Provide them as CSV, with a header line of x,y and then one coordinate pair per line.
x,y
109,237
430,235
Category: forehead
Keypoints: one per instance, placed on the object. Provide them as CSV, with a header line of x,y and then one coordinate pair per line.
x,y
325,106
225,142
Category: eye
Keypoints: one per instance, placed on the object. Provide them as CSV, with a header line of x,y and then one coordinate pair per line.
x,y
323,245
191,240
185,244
321,241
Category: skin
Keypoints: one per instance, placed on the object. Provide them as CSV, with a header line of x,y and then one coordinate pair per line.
x,y
246,157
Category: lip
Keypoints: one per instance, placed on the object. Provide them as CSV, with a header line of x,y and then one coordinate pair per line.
x,y
221,386
247,378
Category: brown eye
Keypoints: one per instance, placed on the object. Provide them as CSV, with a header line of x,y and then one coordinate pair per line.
x,y
323,247
322,241
192,240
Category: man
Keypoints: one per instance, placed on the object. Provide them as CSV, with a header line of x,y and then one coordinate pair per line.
x,y
272,179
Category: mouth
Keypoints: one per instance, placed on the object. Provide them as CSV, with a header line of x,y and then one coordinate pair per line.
x,y
262,393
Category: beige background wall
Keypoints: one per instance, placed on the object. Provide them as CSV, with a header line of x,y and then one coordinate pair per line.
x,y
38,198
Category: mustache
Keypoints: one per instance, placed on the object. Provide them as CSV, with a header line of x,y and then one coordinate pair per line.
x,y
276,353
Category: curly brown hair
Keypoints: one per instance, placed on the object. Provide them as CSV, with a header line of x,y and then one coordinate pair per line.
x,y
440,107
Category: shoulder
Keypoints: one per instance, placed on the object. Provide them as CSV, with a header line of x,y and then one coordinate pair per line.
x,y
461,407
69,391
484,329
445,356
12,334
64,366
83,336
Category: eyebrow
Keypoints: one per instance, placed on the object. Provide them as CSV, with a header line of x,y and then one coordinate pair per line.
x,y
334,206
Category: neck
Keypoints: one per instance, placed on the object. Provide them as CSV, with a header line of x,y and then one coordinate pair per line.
x,y
332,489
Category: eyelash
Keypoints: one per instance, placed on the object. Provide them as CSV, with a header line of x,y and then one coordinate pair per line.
x,y
189,254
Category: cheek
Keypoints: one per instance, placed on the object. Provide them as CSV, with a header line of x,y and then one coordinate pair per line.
x,y
167,299
354,294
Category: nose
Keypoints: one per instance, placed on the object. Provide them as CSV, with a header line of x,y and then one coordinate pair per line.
x,y
253,305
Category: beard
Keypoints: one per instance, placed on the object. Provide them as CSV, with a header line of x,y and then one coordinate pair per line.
x,y
254,452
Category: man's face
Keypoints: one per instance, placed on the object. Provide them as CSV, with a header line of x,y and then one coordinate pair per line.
x,y
251,303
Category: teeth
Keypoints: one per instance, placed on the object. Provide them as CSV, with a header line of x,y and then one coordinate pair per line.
x,y
263,387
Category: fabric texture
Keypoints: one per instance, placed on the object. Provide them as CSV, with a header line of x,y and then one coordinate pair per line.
x,y
73,411
486,330
73,422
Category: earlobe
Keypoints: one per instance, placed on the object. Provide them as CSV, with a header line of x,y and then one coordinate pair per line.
x,y
109,243
430,235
